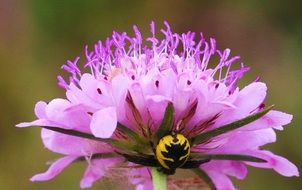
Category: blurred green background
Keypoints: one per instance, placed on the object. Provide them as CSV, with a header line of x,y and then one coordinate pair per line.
x,y
38,36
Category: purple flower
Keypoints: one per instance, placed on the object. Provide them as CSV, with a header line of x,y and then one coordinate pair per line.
x,y
160,103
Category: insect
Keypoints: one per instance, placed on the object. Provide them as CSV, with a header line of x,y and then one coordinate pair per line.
x,y
171,152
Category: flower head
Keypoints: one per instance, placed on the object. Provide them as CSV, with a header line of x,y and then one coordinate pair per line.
x,y
160,103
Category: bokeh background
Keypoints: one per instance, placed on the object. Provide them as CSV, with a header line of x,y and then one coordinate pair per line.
x,y
37,37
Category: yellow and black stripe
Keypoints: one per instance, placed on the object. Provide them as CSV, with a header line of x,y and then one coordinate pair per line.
x,y
172,152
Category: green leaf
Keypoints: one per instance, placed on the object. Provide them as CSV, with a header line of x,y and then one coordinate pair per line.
x,y
238,157
229,127
166,123
113,142
204,176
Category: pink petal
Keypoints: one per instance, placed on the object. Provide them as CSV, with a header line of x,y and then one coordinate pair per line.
x,y
255,138
140,177
233,168
97,90
55,169
200,87
75,117
96,170
65,116
156,106
251,96
77,96
278,163
277,119
120,85
162,84
55,108
273,119
221,181
147,185
89,86
39,122
138,100
103,122
70,145
181,100
40,109
225,103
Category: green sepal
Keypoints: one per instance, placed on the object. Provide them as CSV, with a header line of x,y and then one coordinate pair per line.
x,y
140,159
113,142
229,127
133,135
165,126
205,177
237,157
97,156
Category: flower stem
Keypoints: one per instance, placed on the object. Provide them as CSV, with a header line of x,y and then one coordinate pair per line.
x,y
159,180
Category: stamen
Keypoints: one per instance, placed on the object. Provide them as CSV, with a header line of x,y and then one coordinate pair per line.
x,y
105,57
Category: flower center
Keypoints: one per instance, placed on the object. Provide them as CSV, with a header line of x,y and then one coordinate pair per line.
x,y
172,152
